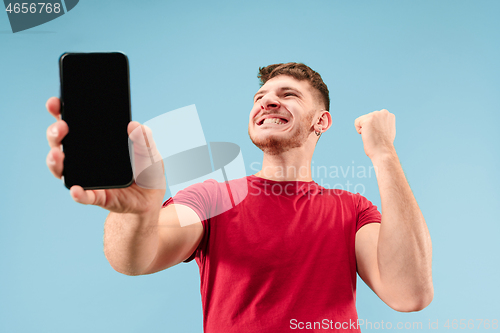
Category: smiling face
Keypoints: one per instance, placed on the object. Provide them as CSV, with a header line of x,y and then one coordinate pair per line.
x,y
282,115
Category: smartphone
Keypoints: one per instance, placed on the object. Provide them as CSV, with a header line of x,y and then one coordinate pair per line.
x,y
95,103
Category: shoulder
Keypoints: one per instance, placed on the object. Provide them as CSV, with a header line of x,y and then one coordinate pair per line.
x,y
208,186
354,202
213,194
344,196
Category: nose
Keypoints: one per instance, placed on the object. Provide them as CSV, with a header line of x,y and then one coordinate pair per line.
x,y
269,102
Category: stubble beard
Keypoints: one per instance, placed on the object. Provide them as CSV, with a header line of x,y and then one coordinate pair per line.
x,y
273,145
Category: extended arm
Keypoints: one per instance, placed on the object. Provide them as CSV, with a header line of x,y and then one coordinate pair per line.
x,y
139,236
395,257
137,244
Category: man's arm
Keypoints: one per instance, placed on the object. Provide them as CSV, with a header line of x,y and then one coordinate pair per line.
x,y
143,244
139,236
395,257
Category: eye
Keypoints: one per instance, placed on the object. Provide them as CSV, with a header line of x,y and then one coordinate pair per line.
x,y
259,97
289,94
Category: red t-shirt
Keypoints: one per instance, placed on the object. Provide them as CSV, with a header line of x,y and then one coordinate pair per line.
x,y
280,258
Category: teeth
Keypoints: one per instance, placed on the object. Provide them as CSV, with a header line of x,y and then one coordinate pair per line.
x,y
273,120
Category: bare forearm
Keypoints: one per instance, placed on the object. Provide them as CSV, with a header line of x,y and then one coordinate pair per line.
x,y
131,241
404,246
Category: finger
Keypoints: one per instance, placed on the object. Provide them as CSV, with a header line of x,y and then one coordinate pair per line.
x,y
132,126
142,135
56,132
53,105
144,144
357,124
148,165
82,196
54,161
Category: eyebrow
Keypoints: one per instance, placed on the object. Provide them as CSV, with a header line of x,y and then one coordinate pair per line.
x,y
280,89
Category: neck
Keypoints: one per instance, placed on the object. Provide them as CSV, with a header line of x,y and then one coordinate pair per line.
x,y
292,165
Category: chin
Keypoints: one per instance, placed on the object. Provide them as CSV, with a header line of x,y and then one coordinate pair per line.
x,y
274,144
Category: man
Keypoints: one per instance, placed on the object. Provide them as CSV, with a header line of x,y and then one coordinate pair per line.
x,y
284,257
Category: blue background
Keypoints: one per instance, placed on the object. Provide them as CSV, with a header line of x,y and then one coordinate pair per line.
x,y
434,64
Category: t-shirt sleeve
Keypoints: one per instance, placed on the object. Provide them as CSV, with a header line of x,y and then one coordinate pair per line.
x,y
199,197
366,212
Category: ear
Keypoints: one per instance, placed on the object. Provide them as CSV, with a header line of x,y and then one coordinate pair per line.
x,y
323,120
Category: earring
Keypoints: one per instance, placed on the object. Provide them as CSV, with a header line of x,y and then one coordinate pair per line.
x,y
318,133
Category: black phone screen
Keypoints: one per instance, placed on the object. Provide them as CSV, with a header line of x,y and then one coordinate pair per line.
x,y
95,103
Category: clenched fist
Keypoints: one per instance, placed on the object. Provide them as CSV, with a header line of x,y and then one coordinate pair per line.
x,y
378,131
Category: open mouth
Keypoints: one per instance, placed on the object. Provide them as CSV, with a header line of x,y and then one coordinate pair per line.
x,y
277,121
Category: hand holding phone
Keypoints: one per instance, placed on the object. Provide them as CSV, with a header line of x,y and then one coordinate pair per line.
x,y
132,199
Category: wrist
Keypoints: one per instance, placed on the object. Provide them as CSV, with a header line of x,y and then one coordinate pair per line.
x,y
385,155
150,216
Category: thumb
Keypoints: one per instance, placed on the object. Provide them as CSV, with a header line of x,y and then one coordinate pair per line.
x,y
146,160
81,196
142,139
132,126
357,125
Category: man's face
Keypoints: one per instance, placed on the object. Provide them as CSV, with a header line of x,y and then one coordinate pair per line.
x,y
282,115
